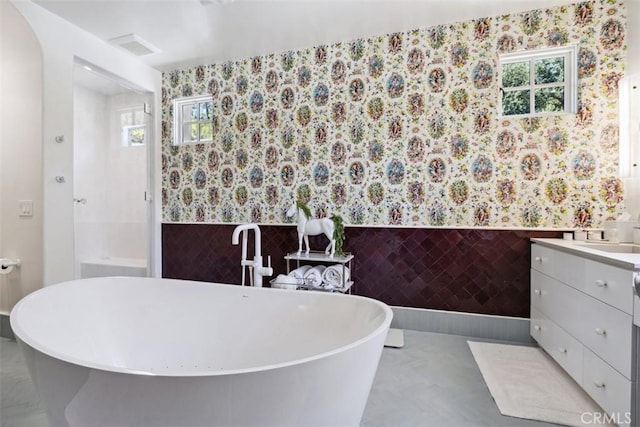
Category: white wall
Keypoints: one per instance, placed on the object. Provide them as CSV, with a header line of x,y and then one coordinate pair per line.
x,y
20,155
90,137
61,42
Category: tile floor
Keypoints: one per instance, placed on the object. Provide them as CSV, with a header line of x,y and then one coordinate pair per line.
x,y
432,381
20,406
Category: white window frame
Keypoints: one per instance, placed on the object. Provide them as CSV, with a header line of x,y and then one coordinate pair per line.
x,y
179,122
570,84
126,141
124,129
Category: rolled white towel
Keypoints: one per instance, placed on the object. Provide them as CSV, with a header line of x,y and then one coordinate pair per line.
x,y
313,276
282,281
286,280
299,272
332,276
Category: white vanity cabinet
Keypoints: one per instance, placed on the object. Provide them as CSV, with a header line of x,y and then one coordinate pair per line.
x,y
582,315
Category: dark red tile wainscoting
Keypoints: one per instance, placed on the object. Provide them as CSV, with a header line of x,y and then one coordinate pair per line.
x,y
469,270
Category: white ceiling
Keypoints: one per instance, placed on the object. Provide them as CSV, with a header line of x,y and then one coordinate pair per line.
x,y
194,32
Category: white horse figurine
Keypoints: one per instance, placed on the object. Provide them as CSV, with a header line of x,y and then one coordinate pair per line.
x,y
308,226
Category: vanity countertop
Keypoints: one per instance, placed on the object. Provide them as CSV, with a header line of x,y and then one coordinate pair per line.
x,y
588,249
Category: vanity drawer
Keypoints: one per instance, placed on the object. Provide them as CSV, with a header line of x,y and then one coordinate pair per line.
x,y
551,297
542,259
562,347
607,387
599,326
610,284
607,332
540,329
565,267
537,287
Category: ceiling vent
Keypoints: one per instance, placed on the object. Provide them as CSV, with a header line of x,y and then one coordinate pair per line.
x,y
134,44
218,2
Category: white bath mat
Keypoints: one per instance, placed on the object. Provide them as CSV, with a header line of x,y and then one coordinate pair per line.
x,y
395,338
526,383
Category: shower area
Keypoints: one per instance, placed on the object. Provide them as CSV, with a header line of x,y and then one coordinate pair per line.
x,y
112,133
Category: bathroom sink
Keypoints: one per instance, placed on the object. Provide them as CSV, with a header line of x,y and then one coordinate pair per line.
x,y
618,248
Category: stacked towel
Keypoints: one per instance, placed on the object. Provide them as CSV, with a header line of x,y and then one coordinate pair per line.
x,y
332,276
299,273
313,276
283,281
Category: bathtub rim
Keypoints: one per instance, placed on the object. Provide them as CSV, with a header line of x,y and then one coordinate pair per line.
x,y
22,336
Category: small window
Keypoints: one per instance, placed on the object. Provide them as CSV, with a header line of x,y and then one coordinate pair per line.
x,y
132,127
193,120
134,135
539,82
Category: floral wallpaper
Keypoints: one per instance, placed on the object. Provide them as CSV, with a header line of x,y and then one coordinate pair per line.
x,y
403,129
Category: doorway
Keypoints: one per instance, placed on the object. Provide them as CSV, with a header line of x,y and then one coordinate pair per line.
x,y
111,177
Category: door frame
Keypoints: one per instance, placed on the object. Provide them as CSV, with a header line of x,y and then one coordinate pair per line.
x,y
151,120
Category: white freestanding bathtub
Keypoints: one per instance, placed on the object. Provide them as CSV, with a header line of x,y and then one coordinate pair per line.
x,y
159,352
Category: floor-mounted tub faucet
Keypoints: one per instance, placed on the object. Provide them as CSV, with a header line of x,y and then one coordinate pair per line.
x,y
258,270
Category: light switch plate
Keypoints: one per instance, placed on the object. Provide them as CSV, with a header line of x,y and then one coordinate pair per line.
x,y
25,207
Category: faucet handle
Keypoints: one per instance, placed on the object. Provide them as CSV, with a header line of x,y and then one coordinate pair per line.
x,y
266,271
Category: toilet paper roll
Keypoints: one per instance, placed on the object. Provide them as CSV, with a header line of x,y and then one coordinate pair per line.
x,y
7,265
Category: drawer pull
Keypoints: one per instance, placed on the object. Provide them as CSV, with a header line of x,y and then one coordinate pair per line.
x,y
537,291
601,283
537,327
562,350
538,259
601,331
599,384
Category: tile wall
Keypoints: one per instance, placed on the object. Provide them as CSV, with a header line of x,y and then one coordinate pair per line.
x,y
476,271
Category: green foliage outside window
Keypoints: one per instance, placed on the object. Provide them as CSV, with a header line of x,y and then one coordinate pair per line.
x,y
516,102
549,100
206,131
136,135
549,70
515,74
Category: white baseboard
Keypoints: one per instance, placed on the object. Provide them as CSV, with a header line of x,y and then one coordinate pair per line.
x,y
465,324
427,320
